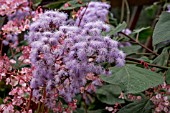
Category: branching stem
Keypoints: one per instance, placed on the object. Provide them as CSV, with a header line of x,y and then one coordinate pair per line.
x,y
139,43
153,65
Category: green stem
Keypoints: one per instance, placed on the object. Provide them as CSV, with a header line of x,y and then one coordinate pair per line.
x,y
122,11
128,11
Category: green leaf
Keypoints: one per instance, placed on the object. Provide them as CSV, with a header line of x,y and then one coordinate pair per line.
x,y
162,59
60,4
23,43
141,29
1,21
133,79
145,59
112,19
151,9
55,5
161,32
36,2
81,110
143,32
1,100
119,28
96,111
109,94
143,106
131,49
162,45
168,76
74,4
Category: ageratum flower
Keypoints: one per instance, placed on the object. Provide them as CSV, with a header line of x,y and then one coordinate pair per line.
x,y
44,37
63,54
85,53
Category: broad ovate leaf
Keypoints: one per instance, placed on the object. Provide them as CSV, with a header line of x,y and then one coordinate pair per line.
x,y
131,49
162,59
109,94
143,106
133,79
161,32
74,4
168,76
36,2
2,19
55,5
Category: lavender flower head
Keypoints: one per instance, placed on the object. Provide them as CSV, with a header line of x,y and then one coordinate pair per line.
x,y
43,38
64,54
85,52
95,11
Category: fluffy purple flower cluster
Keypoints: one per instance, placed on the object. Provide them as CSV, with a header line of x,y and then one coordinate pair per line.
x,y
84,51
63,55
44,38
93,12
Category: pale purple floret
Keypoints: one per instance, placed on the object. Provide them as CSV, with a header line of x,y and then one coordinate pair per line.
x,y
120,62
127,31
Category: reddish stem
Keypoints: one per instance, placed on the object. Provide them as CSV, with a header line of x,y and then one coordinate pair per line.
x,y
1,48
43,104
139,44
153,65
29,102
